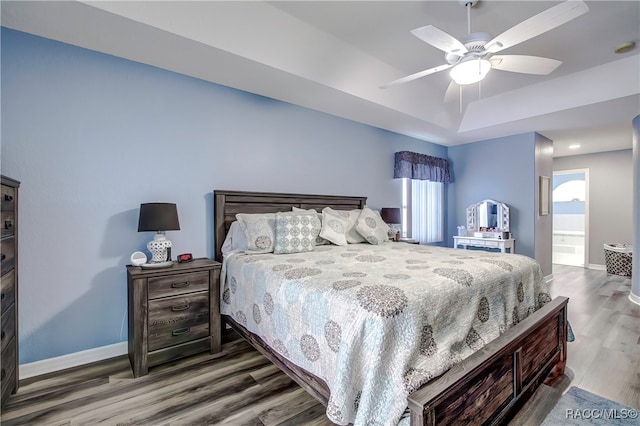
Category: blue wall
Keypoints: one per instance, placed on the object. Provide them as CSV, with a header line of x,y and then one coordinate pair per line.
x,y
91,136
501,169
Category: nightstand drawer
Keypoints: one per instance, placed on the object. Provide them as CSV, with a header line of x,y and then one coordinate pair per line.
x,y
7,297
7,254
179,319
171,285
8,326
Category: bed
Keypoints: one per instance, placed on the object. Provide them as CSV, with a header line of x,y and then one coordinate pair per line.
x,y
486,387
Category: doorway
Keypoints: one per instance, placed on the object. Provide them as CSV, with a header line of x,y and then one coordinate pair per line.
x,y
570,217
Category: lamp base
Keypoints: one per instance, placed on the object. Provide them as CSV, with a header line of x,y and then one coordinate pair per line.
x,y
157,265
158,248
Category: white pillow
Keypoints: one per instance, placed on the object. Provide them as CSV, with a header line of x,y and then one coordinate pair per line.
x,y
296,232
235,239
334,226
259,230
353,236
319,240
371,226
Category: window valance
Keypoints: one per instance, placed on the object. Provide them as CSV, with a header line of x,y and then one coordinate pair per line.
x,y
413,165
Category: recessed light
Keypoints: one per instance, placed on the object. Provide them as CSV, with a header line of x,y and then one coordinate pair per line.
x,y
574,146
625,47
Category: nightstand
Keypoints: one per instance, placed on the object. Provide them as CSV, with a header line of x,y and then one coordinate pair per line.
x,y
174,312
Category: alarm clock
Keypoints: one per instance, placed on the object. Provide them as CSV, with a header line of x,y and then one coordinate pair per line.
x,y
138,258
185,257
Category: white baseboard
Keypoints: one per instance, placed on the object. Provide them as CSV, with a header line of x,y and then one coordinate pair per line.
x,y
596,266
634,298
63,362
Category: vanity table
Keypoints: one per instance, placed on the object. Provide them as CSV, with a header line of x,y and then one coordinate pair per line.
x,y
487,227
503,245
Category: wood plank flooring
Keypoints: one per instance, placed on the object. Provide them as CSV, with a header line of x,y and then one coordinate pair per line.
x,y
240,387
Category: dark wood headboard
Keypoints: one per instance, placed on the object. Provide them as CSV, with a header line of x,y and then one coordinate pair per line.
x,y
228,203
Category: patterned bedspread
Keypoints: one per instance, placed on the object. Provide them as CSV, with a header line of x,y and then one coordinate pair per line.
x,y
375,322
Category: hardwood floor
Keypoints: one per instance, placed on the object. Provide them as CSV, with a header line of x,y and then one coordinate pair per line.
x,y
240,387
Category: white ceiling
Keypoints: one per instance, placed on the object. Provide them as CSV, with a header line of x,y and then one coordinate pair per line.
x,y
332,56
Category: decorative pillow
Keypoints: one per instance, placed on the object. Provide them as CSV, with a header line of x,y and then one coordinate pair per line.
x,y
296,232
235,239
371,226
334,226
319,240
259,231
353,236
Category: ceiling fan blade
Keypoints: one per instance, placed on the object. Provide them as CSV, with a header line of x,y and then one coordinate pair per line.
x,y
538,24
452,93
439,39
416,76
524,64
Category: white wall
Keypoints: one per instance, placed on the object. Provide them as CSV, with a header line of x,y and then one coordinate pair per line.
x,y
610,197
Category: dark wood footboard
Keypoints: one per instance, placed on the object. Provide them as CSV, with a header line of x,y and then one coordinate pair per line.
x,y
491,385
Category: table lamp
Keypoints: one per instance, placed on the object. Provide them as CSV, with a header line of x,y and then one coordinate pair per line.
x,y
392,217
159,217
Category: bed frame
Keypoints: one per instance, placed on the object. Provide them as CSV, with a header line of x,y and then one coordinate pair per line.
x,y
488,387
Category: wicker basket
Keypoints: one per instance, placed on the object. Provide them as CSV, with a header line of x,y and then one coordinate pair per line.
x,y
618,259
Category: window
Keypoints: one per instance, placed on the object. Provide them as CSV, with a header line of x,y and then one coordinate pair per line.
x,y
423,210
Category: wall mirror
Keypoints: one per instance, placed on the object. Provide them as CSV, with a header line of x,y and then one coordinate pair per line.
x,y
488,216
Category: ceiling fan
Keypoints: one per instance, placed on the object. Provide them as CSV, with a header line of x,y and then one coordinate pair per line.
x,y
471,57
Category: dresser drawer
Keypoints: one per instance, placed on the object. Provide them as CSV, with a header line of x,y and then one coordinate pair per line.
x,y
8,198
7,297
171,285
8,369
462,241
7,254
8,326
7,223
178,319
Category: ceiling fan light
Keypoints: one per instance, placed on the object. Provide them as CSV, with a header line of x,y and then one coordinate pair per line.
x,y
471,71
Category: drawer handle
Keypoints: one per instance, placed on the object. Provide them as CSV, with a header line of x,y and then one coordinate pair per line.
x,y
2,296
4,373
8,197
8,224
182,307
180,285
181,331
3,257
2,335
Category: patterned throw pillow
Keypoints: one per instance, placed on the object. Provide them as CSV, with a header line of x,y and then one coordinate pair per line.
x,y
295,232
259,230
319,240
353,236
371,226
334,226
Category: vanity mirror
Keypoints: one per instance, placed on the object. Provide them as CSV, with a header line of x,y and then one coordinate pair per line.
x,y
489,218
487,227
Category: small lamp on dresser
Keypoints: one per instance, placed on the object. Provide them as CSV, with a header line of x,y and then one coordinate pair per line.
x,y
392,217
159,217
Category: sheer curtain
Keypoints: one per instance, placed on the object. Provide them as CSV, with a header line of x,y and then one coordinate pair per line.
x,y
427,211
423,178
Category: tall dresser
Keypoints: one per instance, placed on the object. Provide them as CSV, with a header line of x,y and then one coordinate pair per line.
x,y
9,301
